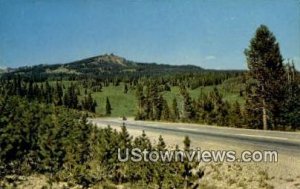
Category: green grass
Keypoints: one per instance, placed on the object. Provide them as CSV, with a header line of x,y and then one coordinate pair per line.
x,y
126,104
121,103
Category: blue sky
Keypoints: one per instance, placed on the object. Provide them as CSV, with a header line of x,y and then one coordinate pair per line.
x,y
207,33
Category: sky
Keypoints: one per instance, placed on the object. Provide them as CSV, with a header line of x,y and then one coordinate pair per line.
x,y
208,33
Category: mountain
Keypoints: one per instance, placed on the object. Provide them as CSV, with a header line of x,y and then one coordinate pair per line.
x,y
100,66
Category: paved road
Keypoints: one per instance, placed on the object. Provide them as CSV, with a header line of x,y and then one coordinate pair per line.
x,y
285,142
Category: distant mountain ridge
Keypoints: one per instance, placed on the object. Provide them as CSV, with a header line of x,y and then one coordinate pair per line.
x,y
103,59
107,64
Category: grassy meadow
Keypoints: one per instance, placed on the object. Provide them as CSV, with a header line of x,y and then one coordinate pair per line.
x,y
126,104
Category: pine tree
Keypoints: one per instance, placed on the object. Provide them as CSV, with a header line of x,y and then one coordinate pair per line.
x,y
156,101
143,142
89,103
175,109
161,146
83,140
291,114
30,92
50,143
108,107
70,97
148,108
266,73
141,102
165,111
125,88
161,168
187,166
221,108
58,95
48,93
73,95
66,100
187,143
125,138
205,111
236,117
188,108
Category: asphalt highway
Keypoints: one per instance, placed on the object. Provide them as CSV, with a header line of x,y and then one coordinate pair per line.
x,y
284,142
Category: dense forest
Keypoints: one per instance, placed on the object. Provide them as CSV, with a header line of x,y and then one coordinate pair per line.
x,y
58,142
44,111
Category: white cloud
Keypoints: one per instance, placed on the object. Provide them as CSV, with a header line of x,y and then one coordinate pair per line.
x,y
210,57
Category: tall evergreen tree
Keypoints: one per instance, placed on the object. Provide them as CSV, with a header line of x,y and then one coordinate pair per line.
x,y
89,103
48,93
186,164
30,92
108,107
70,97
141,102
266,74
188,108
165,111
156,101
292,107
236,117
125,138
58,95
175,109
221,108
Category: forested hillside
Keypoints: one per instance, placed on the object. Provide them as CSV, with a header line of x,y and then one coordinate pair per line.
x,y
100,67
